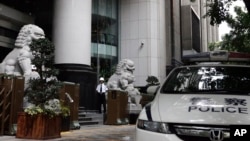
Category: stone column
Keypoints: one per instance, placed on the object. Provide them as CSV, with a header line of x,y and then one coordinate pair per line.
x,y
72,39
72,31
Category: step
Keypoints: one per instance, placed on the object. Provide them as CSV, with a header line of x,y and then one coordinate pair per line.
x,y
88,122
89,117
84,118
82,114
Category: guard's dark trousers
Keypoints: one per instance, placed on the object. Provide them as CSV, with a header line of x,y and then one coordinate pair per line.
x,y
101,102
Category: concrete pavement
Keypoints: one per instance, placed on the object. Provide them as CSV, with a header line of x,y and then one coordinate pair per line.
x,y
91,133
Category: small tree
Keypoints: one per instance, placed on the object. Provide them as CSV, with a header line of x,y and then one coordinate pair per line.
x,y
214,46
43,92
238,39
218,10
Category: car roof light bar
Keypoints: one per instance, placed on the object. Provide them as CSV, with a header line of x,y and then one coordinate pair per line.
x,y
217,56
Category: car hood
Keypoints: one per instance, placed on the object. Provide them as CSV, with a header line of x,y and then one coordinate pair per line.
x,y
204,109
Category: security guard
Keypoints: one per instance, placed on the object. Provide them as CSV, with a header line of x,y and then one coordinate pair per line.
x,y
101,91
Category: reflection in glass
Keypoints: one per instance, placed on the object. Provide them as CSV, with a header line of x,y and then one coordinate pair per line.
x,y
209,79
104,47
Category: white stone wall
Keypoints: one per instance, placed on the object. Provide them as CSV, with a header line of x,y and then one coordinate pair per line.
x,y
204,44
143,22
150,22
177,30
208,33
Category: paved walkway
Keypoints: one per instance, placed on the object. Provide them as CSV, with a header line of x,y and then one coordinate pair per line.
x,y
91,133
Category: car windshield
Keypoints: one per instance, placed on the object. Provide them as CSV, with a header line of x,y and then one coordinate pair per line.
x,y
208,79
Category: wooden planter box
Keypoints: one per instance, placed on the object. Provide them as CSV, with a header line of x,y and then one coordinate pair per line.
x,y
117,108
38,127
65,126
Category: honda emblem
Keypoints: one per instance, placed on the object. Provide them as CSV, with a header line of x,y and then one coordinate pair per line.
x,y
216,135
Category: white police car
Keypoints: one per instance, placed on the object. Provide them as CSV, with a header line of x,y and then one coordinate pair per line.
x,y
199,102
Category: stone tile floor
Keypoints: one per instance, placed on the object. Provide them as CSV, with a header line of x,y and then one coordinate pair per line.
x,y
91,133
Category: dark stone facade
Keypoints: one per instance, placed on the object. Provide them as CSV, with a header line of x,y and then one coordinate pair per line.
x,y
86,77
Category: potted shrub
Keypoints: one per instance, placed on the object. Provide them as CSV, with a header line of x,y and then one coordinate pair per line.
x,y
45,108
152,80
152,83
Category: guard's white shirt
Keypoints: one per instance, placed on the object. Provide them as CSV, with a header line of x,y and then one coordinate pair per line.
x,y
104,88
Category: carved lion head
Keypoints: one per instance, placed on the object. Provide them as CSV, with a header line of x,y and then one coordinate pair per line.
x,y
125,65
27,34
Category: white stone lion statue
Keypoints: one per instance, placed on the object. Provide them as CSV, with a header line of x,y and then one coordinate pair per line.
x,y
18,61
123,79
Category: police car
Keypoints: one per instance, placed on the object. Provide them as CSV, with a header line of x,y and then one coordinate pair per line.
x,y
199,102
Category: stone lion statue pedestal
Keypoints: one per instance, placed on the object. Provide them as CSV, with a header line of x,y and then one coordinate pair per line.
x,y
123,80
